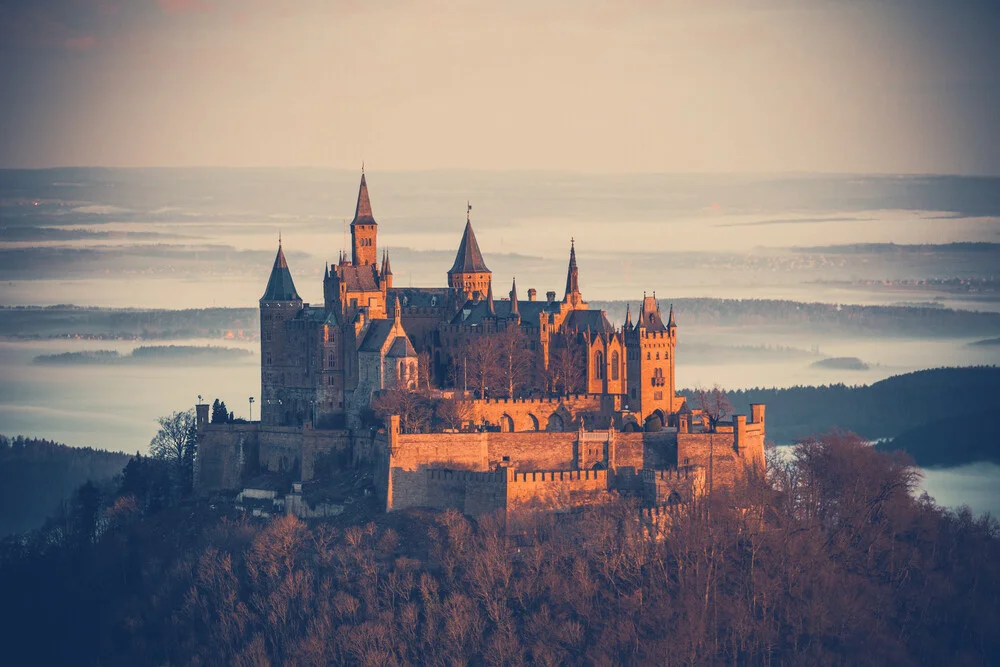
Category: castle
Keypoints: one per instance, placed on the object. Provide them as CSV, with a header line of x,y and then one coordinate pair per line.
x,y
542,403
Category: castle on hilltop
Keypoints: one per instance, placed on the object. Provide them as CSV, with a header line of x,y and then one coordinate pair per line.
x,y
522,402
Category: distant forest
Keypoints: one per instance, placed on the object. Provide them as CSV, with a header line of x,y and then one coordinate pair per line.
x,y
907,321
149,354
36,476
941,417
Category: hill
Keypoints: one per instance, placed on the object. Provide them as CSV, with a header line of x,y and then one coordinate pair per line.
x,y
36,476
939,416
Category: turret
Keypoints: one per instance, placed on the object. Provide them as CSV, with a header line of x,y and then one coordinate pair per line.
x,y
364,229
279,305
386,271
468,275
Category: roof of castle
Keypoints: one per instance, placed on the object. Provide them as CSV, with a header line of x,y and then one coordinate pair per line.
x,y
363,211
358,278
649,318
594,321
479,311
425,297
280,286
401,347
376,336
469,258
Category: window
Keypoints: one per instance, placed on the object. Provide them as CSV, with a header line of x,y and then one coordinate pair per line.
x,y
599,365
268,360
614,365
649,355
657,356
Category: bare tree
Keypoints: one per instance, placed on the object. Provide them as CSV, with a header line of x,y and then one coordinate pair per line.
x,y
171,441
515,369
567,366
714,403
424,369
480,358
453,413
412,408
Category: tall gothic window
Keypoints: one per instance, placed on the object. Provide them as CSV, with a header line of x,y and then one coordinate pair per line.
x,y
614,365
599,365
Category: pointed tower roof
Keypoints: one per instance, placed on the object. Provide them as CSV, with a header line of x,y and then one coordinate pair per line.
x,y
513,299
280,286
363,211
396,314
469,259
489,299
573,273
387,269
670,318
628,317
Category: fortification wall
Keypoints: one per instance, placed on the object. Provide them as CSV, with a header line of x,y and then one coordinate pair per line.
x,y
646,450
556,490
536,414
531,451
672,486
716,452
224,451
463,451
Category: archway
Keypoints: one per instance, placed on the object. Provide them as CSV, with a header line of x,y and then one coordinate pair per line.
x,y
630,426
555,423
506,424
534,422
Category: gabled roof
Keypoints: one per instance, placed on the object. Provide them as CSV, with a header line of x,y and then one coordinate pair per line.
x,y
593,321
280,286
378,332
363,211
359,278
469,259
401,347
649,318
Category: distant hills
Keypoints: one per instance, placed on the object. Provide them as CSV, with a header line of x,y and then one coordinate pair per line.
x,y
150,354
941,417
68,321
36,476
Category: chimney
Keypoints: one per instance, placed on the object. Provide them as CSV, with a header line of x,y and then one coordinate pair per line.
x,y
550,296
532,293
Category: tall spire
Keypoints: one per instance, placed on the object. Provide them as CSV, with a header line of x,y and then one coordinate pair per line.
x,y
573,273
387,271
279,285
363,210
489,299
513,299
628,317
395,310
670,318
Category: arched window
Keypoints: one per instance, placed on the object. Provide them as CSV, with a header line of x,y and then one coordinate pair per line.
x,y
614,365
401,374
599,365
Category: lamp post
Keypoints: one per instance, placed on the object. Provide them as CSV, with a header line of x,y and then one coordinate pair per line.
x,y
251,409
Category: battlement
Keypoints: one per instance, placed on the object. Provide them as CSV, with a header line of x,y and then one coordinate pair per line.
x,y
560,476
444,475
668,475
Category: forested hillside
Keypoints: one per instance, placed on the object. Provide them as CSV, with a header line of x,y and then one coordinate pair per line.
x,y
835,564
37,475
956,402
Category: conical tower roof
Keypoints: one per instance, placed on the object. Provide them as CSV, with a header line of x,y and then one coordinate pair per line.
x,y
280,286
514,311
363,211
469,259
572,273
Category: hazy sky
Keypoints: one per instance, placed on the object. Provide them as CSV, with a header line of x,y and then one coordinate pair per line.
x,y
618,86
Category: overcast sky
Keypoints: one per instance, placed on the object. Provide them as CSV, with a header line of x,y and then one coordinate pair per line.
x,y
897,86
